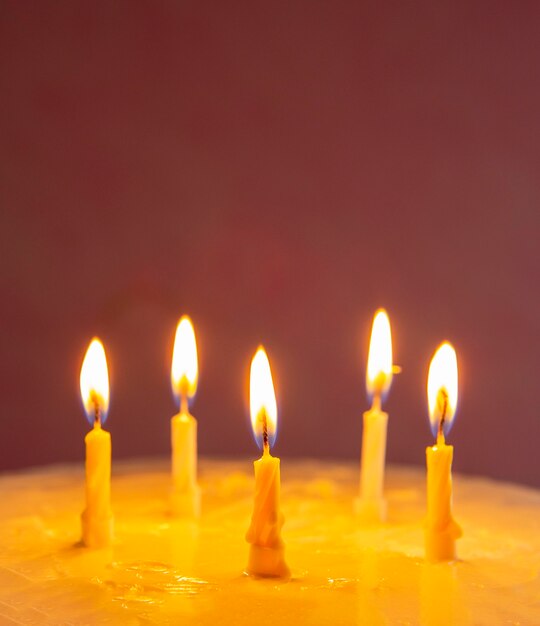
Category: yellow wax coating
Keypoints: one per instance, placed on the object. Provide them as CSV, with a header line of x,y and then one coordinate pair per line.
x,y
165,571
371,504
266,557
185,496
441,530
97,517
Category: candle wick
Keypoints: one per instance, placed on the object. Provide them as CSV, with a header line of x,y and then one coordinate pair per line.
x,y
97,412
440,434
376,403
184,406
266,445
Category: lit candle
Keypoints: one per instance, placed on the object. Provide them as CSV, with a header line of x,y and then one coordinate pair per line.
x,y
371,505
97,519
185,493
441,530
266,553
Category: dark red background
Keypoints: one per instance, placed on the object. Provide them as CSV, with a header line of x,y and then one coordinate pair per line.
x,y
277,171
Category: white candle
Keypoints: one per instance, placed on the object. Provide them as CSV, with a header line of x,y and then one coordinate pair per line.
x,y
266,552
96,519
185,492
371,505
441,530
375,424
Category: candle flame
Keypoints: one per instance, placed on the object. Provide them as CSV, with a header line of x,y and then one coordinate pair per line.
x,y
184,370
379,369
262,399
94,383
442,388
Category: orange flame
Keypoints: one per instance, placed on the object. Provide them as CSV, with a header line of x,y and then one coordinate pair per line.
x,y
94,382
442,388
379,370
262,399
184,370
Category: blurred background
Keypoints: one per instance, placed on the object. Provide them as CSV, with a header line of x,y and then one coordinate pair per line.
x,y
277,171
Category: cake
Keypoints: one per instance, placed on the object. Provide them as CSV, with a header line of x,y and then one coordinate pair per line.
x,y
162,570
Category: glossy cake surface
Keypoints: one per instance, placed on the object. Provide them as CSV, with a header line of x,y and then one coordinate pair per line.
x,y
166,571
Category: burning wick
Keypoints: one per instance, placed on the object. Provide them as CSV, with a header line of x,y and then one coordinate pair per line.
x,y
263,419
97,410
379,383
184,406
184,402
378,386
442,403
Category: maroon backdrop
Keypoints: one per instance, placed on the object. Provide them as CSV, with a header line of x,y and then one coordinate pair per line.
x,y
277,171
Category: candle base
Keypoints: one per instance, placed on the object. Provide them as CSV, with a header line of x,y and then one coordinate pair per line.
x,y
441,544
185,503
267,562
371,511
97,532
